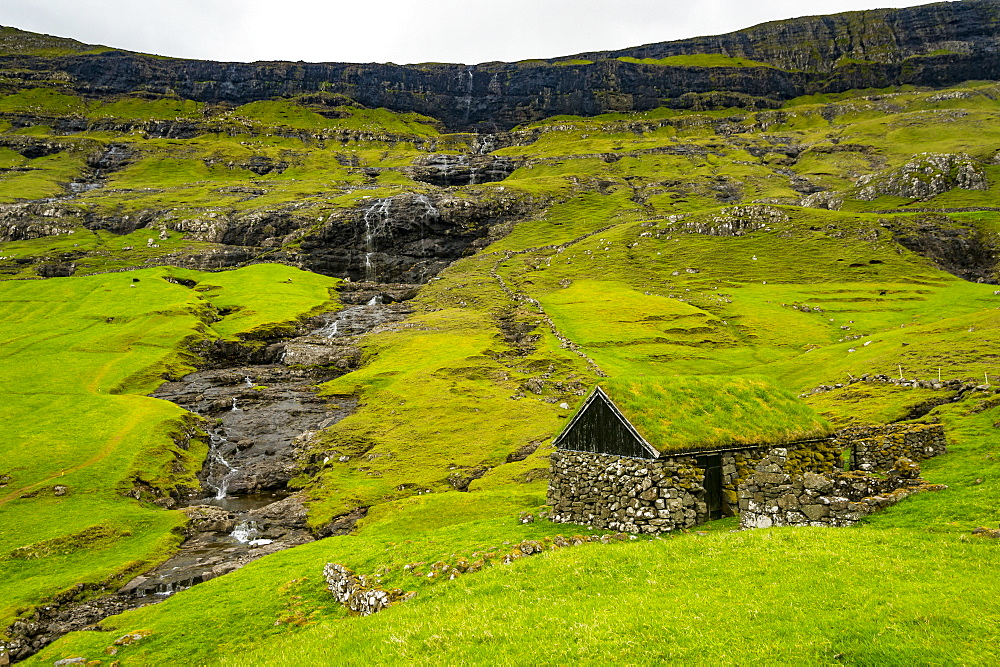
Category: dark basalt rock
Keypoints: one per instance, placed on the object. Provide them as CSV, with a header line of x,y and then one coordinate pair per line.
x,y
961,250
56,270
455,170
403,239
873,49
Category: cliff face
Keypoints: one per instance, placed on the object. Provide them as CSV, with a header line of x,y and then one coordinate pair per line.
x,y
816,43
933,45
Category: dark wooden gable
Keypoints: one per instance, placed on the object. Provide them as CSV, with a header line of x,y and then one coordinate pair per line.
x,y
601,428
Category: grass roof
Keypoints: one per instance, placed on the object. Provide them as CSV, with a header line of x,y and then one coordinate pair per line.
x,y
685,413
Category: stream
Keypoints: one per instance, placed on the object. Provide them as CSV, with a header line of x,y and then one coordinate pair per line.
x,y
258,417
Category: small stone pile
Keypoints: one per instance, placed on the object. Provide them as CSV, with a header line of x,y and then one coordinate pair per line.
x,y
354,592
732,221
878,448
774,497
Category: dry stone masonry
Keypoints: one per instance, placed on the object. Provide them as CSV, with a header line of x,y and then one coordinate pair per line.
x,y
776,496
354,592
877,448
658,495
627,494
799,484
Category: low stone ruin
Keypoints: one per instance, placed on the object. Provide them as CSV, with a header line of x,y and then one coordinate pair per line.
x,y
354,591
877,448
773,496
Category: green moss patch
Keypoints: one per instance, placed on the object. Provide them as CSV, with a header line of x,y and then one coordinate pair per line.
x,y
676,414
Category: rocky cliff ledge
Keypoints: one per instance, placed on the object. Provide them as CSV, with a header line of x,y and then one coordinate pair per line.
x,y
933,45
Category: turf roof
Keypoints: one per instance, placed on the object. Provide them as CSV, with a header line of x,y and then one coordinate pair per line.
x,y
693,413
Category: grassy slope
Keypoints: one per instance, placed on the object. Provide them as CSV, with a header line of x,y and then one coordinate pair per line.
x,y
79,355
908,586
445,393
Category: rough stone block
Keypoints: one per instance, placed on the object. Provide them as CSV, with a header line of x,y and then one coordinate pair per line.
x,y
815,512
788,502
650,494
819,483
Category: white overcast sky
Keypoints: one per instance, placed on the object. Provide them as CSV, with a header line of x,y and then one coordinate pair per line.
x,y
400,31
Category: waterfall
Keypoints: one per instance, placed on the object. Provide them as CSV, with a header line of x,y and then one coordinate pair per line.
x,y
429,209
248,532
216,458
234,408
377,223
248,381
467,100
430,212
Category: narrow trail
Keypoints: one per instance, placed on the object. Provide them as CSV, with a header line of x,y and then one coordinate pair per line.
x,y
112,443
134,420
564,341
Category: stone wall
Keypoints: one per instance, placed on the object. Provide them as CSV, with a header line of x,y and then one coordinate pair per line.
x,y
658,495
877,448
626,494
776,495
356,593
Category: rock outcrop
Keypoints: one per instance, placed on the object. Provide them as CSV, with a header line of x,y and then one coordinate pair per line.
x,y
933,45
926,176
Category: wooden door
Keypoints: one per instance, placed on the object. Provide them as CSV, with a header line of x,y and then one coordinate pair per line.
x,y
713,485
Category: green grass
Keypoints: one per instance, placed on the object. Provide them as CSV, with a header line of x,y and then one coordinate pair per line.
x,y
43,101
474,379
697,60
79,356
46,177
22,42
677,414
451,353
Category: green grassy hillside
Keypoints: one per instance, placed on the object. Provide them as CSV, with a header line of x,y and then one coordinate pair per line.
x,y
658,244
84,447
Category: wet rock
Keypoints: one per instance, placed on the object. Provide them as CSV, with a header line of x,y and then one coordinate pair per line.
x,y
321,352
456,170
258,413
289,512
111,158
209,518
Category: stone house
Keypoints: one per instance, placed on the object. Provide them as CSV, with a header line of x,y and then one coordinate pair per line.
x,y
655,454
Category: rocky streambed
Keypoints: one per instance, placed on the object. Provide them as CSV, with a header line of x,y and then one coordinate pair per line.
x,y
260,409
